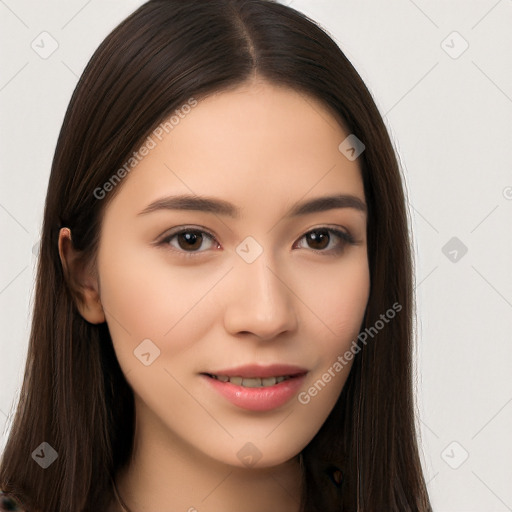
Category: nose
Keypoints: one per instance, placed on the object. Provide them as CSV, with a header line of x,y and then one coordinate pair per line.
x,y
260,300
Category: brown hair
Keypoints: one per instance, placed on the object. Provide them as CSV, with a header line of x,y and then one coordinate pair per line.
x,y
74,394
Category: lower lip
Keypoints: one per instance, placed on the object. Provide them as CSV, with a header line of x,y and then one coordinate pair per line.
x,y
258,399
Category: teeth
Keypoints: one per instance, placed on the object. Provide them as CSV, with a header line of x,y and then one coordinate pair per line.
x,y
250,383
255,382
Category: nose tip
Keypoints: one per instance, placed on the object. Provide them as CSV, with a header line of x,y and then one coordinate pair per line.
x,y
260,303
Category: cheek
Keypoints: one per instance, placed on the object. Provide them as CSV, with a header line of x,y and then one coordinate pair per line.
x,y
347,304
148,298
338,299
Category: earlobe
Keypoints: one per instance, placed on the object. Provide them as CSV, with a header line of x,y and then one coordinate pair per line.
x,y
82,283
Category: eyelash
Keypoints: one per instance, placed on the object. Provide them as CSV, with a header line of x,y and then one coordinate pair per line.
x,y
346,238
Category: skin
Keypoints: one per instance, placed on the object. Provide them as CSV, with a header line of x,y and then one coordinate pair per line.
x,y
262,148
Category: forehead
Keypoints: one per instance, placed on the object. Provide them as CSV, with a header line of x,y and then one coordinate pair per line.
x,y
257,141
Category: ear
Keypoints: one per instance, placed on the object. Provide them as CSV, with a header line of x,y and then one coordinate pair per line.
x,y
81,280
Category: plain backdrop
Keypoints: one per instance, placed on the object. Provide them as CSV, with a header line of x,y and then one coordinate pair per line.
x,y
440,73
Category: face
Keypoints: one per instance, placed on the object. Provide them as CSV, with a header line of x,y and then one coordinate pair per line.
x,y
190,292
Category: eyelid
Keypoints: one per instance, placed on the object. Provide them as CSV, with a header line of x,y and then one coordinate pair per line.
x,y
344,235
346,238
164,239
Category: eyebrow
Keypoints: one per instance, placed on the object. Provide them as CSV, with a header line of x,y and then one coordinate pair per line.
x,y
221,207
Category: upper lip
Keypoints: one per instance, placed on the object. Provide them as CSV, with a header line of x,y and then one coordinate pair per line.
x,y
257,370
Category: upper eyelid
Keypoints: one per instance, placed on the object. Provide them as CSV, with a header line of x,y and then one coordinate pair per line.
x,y
177,231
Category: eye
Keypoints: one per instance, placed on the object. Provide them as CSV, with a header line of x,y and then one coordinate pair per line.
x,y
320,238
188,240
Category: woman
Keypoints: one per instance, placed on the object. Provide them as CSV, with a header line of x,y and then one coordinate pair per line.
x,y
224,293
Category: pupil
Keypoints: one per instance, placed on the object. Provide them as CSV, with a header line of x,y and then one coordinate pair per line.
x,y
191,238
315,237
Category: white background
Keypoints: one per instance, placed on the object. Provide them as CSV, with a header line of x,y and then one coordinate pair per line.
x,y
450,118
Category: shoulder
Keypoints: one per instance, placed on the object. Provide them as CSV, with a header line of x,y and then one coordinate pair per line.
x,y
9,504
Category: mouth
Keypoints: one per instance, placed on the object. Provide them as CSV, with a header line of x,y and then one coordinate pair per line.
x,y
257,375
256,389
253,382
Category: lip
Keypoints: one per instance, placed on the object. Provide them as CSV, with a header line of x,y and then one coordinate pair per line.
x,y
258,370
262,398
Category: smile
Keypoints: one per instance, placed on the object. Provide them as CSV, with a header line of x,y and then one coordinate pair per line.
x,y
254,382
256,393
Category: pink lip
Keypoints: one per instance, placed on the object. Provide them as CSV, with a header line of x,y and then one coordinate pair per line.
x,y
258,399
257,370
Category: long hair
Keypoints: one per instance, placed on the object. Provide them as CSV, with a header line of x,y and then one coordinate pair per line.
x,y
74,395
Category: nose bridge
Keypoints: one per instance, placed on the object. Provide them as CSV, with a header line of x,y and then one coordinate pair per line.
x,y
259,301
